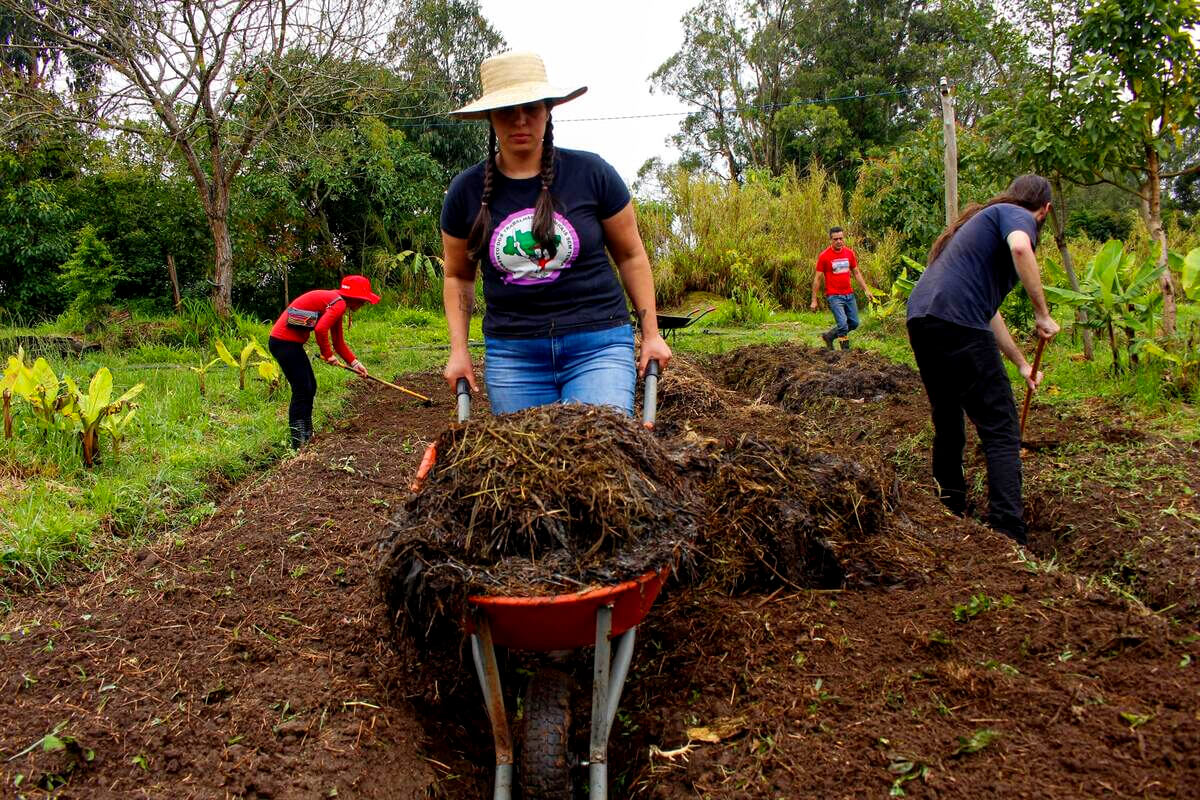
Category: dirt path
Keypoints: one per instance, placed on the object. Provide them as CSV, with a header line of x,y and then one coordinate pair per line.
x,y
250,659
247,658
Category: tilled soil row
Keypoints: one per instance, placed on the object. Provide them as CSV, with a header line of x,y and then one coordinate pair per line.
x,y
248,658
253,660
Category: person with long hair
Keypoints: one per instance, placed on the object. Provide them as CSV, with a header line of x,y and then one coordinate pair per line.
x,y
957,336
538,220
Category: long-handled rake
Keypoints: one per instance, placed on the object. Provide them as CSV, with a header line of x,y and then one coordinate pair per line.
x,y
427,401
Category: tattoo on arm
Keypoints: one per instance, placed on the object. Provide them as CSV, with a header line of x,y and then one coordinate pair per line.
x,y
466,302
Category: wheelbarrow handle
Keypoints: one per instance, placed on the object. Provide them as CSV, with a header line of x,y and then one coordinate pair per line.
x,y
650,394
463,390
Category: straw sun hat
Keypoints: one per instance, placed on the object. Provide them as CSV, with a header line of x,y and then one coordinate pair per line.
x,y
514,79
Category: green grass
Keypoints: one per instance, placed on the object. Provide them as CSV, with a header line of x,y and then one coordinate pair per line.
x,y
182,447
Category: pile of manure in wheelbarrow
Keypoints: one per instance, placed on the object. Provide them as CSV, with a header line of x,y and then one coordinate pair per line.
x,y
550,500
793,377
782,512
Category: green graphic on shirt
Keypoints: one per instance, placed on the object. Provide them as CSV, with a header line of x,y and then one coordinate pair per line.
x,y
525,245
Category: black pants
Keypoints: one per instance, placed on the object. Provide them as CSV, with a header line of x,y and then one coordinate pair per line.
x,y
961,370
293,360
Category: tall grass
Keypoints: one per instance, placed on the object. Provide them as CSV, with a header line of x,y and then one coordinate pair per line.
x,y
705,228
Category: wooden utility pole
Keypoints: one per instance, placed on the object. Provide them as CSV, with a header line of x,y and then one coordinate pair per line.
x,y
174,279
950,157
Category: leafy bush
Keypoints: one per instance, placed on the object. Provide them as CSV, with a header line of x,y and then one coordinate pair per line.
x,y
90,275
1099,224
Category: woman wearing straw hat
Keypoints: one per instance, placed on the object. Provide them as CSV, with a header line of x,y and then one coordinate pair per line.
x,y
539,219
319,311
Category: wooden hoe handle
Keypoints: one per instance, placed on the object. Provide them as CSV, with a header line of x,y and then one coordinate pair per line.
x,y
1037,362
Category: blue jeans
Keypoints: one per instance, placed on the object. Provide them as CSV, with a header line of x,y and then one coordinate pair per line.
x,y
593,367
845,314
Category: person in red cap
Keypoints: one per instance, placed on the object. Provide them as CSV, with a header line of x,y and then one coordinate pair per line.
x,y
319,311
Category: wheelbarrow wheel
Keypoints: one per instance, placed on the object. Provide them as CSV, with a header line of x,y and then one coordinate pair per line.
x,y
545,761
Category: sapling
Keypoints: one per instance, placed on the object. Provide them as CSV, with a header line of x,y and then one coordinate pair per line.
x,y
202,370
90,410
251,348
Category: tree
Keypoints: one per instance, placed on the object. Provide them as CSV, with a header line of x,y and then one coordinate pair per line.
x,y
1141,87
1033,131
215,77
437,47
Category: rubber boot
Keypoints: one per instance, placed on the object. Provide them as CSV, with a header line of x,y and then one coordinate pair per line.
x,y
844,342
296,429
828,337
308,430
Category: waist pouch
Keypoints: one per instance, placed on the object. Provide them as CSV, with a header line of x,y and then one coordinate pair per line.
x,y
301,320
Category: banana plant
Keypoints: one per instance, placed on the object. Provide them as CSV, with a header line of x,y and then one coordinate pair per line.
x,y
89,411
202,370
38,386
13,371
241,363
1117,293
269,371
902,287
115,424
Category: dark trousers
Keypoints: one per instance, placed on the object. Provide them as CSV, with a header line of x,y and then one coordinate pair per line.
x,y
293,360
961,370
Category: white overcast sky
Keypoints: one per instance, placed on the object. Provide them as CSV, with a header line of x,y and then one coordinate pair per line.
x,y
611,47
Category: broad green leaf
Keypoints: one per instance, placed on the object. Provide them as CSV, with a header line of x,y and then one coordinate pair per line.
x,y
1152,350
1065,296
224,354
1107,266
1146,277
100,389
44,376
1191,275
133,392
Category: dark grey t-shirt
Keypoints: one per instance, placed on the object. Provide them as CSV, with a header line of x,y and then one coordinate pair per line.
x,y
975,271
528,293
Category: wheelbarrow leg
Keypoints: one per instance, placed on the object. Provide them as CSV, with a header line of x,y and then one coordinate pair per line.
x,y
488,670
608,681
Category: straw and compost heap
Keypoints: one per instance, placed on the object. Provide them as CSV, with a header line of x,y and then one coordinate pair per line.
x,y
549,500
781,511
560,498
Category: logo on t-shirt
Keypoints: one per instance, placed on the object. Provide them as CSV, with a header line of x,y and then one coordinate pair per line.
x,y
839,265
519,256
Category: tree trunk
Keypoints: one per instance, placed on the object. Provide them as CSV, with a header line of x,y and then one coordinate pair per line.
x,y
174,280
223,264
1152,209
1058,214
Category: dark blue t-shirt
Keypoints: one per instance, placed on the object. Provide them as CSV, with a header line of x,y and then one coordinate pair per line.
x,y
529,294
975,271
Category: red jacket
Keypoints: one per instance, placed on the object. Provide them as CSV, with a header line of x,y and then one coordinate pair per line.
x,y
332,307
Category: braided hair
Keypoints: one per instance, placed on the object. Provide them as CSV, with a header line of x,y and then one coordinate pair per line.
x,y
543,210
543,213
481,229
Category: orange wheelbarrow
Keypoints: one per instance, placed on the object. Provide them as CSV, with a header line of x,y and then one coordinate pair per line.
x,y
605,618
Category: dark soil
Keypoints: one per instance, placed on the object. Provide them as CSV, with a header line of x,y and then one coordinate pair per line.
x,y
254,658
246,659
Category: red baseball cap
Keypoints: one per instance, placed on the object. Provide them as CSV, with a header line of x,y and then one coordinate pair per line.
x,y
358,288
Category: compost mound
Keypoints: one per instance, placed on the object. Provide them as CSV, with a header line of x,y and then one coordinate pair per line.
x,y
782,511
686,392
549,500
794,377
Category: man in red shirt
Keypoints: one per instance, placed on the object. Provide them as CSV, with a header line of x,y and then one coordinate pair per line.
x,y
319,311
835,264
